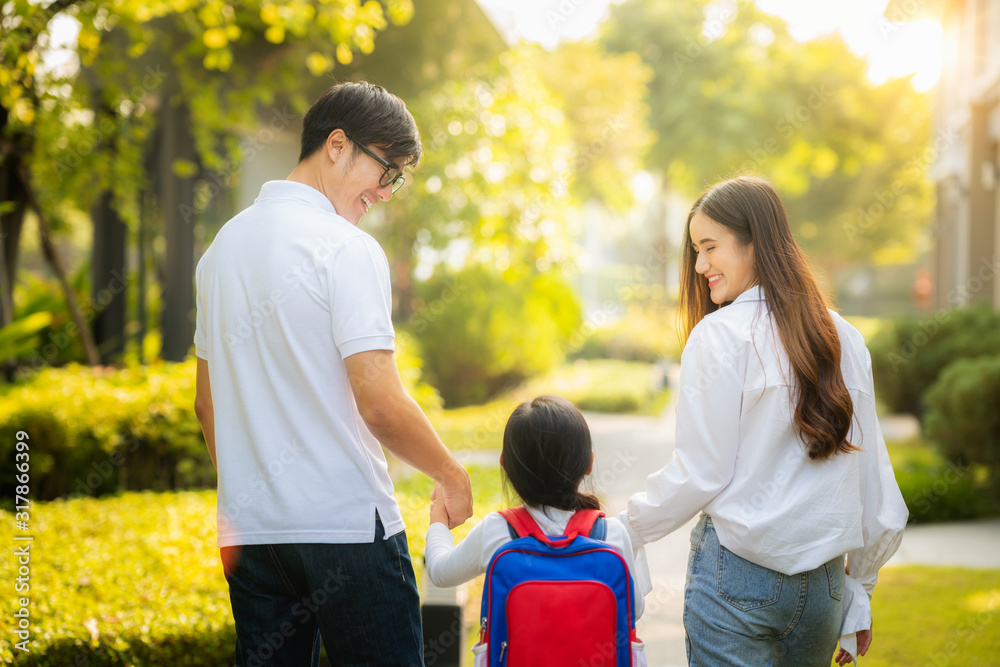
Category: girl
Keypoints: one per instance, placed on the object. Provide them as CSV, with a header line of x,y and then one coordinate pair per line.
x,y
778,445
546,454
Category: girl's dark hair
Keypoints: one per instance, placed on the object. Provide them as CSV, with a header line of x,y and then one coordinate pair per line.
x,y
751,208
370,115
547,453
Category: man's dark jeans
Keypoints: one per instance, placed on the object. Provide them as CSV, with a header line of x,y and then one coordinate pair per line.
x,y
360,598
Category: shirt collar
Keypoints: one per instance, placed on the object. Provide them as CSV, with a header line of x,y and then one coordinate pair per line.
x,y
295,190
754,293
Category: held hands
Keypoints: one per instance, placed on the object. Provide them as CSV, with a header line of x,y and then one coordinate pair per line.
x,y
438,512
452,502
864,641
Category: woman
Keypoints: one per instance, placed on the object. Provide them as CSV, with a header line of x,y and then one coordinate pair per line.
x,y
778,445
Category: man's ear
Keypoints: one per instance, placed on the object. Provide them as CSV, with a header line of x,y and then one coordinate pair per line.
x,y
336,143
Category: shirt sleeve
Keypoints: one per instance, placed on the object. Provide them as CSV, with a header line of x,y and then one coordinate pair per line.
x,y
709,404
449,564
638,569
201,323
883,519
361,297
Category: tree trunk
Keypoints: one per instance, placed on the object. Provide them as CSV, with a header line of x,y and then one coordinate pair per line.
x,y
10,238
52,255
177,203
109,278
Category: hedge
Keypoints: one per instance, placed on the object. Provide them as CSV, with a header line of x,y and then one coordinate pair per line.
x,y
96,430
136,579
963,415
910,353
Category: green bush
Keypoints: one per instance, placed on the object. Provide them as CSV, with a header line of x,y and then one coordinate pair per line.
x,y
136,579
131,580
600,385
936,489
483,331
94,431
963,416
641,335
909,355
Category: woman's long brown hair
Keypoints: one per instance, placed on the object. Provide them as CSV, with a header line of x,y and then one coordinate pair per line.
x,y
752,210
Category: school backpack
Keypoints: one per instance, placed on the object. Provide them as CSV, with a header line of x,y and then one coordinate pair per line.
x,y
557,601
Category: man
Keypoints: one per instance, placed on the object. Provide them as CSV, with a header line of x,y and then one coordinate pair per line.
x,y
296,388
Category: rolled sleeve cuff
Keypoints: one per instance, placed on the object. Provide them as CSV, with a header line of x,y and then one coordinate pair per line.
x,y
633,537
366,344
857,613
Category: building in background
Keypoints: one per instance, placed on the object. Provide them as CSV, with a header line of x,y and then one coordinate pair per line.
x,y
965,149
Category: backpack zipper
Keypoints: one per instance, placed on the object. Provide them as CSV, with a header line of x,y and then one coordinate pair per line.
x,y
503,647
482,629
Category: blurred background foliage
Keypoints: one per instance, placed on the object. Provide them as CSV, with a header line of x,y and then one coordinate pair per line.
x,y
541,227
535,250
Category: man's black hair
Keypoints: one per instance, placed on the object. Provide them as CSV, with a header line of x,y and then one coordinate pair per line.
x,y
368,114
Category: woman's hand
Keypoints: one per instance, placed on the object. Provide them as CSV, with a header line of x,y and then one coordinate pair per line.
x,y
438,512
864,641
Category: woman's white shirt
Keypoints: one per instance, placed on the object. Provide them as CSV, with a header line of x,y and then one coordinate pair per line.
x,y
450,565
740,459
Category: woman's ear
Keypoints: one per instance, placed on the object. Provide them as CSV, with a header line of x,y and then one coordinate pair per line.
x,y
501,459
590,468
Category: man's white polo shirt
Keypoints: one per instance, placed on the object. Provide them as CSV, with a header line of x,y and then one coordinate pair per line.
x,y
286,291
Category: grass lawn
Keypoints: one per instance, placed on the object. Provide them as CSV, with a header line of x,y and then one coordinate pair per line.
x,y
597,385
935,616
135,580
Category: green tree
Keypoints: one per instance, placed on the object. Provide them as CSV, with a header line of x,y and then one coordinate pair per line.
x,y
512,148
194,71
733,93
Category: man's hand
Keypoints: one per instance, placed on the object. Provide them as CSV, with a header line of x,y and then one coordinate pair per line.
x,y
402,428
864,642
457,498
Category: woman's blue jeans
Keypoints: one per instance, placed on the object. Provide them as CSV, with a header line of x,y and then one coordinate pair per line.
x,y
737,613
360,598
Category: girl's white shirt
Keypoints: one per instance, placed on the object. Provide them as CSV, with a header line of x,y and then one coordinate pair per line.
x,y
740,459
449,564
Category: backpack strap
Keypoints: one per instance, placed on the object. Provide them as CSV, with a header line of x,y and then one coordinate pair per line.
x,y
520,523
600,530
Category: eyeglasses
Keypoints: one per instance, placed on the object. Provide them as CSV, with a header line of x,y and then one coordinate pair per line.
x,y
392,175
